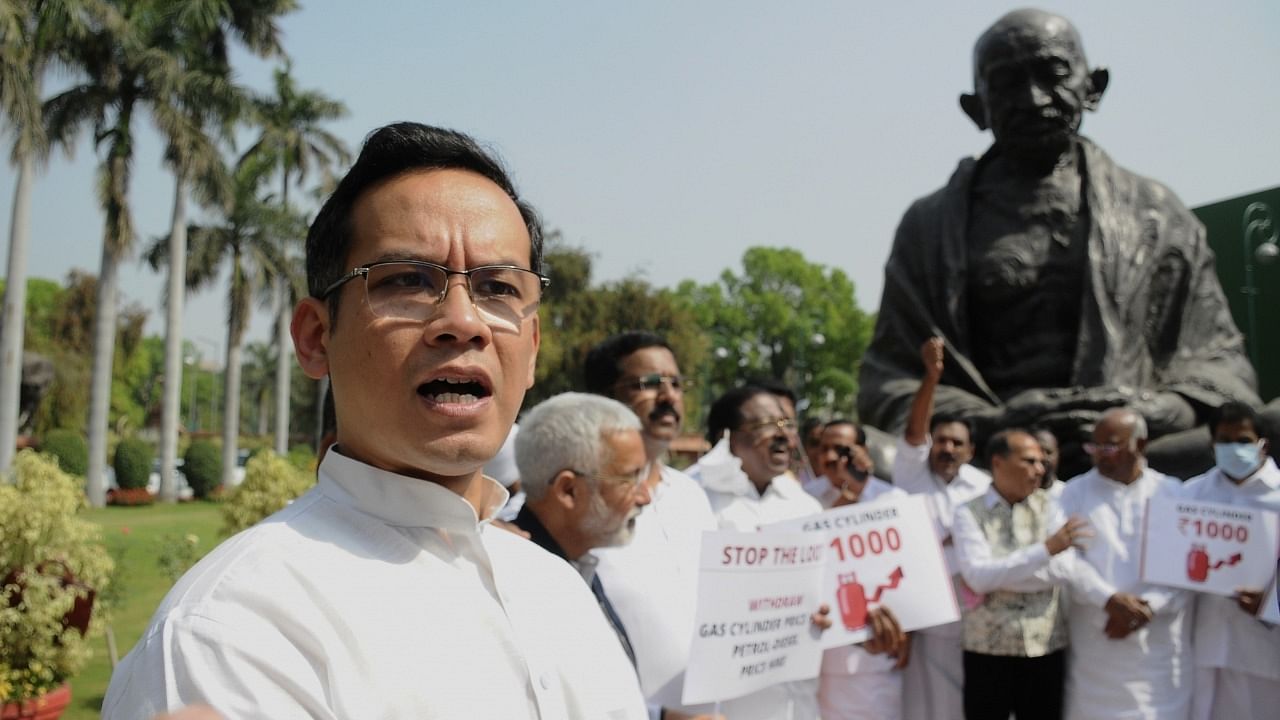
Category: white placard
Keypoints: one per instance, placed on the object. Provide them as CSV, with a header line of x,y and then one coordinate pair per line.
x,y
1208,547
884,552
752,630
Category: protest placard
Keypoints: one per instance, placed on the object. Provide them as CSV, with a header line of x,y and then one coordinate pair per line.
x,y
752,629
881,553
1208,547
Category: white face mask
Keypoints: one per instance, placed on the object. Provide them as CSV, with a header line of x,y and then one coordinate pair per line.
x,y
1238,460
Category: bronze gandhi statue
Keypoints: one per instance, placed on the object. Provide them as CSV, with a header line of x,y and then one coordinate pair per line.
x,y
1061,283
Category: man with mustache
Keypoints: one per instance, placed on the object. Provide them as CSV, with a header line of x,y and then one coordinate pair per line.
x,y
385,591
747,479
653,580
1063,284
932,459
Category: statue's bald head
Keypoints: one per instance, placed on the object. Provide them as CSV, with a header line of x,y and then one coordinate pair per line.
x,y
1025,31
1032,84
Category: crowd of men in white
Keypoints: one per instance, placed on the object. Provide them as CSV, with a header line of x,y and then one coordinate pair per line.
x,y
389,590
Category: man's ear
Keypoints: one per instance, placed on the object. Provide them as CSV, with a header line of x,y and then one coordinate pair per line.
x,y
1141,445
310,330
973,107
567,489
1099,78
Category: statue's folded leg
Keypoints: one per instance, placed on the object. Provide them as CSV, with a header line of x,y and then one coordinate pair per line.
x,y
1182,454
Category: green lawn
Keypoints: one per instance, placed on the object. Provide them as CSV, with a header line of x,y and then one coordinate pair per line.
x,y
135,536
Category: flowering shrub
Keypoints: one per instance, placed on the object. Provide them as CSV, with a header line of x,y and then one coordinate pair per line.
x,y
175,555
270,483
130,497
42,540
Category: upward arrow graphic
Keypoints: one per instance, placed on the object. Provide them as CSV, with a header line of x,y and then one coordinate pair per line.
x,y
895,577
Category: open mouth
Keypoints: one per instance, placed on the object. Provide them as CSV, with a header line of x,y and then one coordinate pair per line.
x,y
455,390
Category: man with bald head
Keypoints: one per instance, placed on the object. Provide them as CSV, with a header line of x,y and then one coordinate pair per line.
x,y
1061,283
1130,641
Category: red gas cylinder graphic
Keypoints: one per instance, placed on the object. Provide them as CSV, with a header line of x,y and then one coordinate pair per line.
x,y
1197,564
852,598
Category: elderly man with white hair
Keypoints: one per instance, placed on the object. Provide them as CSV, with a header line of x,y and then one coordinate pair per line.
x,y
582,464
1130,641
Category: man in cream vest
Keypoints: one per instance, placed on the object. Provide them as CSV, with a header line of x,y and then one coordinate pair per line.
x,y
1011,548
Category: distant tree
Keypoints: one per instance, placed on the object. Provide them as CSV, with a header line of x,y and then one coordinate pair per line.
x,y
293,138
34,34
576,315
786,318
246,242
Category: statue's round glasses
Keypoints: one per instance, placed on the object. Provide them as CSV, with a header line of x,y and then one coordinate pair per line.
x,y
503,295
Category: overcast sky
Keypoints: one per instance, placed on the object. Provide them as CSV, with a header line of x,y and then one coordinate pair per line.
x,y
668,137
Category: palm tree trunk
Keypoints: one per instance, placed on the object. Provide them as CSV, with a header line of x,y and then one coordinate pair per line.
x,y
264,412
282,365
283,387
171,407
231,412
15,301
104,347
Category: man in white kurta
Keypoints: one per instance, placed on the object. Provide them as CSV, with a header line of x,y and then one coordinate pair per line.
x,y
1130,650
384,592
747,483
932,460
365,598
1237,656
653,581
855,684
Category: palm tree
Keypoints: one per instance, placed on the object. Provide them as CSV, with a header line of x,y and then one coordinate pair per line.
x,y
193,156
292,138
248,242
32,35
129,65
259,374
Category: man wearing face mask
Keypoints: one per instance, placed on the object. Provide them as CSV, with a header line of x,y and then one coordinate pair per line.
x,y
1237,658
653,581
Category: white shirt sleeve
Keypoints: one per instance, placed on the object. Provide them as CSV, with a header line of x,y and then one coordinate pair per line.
x,y
983,573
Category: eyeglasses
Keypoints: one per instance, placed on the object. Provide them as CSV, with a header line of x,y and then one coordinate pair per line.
x,y
629,481
760,426
504,295
654,382
1105,448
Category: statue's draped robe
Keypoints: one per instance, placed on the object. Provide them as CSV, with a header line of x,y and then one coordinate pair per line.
x,y
1153,314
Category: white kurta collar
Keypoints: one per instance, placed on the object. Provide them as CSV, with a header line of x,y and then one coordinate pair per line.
x,y
404,501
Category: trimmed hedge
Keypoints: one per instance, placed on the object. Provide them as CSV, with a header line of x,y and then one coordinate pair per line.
x,y
133,463
69,448
203,467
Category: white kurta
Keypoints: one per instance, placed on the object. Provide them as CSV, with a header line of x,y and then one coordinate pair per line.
x,y
738,506
854,684
933,682
1148,673
1226,639
378,595
653,583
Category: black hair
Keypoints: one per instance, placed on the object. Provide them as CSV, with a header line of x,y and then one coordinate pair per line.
x,y
999,443
860,435
806,428
601,368
726,411
944,418
775,387
390,151
1233,411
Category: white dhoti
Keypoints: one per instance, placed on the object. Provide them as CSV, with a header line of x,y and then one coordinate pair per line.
x,y
1230,695
933,682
